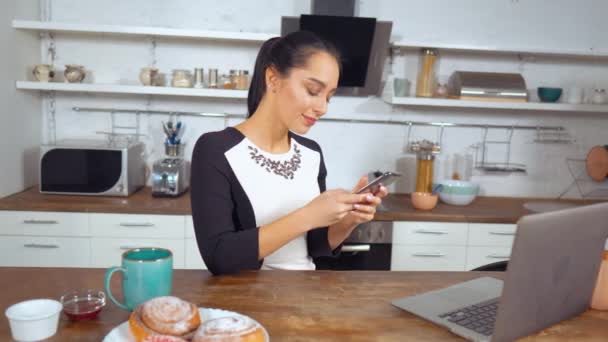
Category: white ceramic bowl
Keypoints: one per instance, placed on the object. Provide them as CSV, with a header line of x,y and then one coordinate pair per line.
x,y
456,192
34,320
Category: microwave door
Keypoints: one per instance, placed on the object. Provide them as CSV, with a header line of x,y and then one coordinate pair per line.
x,y
82,171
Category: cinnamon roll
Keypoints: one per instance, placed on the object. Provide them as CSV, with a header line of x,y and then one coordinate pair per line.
x,y
230,329
164,316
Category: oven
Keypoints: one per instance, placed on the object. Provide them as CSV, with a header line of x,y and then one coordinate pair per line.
x,y
367,248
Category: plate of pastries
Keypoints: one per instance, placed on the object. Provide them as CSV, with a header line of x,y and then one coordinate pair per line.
x,y
171,319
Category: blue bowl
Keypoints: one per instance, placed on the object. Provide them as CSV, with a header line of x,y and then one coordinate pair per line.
x,y
549,94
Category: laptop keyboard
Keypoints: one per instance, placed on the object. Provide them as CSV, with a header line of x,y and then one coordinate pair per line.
x,y
479,317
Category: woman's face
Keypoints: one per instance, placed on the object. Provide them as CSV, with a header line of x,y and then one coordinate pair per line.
x,y
303,94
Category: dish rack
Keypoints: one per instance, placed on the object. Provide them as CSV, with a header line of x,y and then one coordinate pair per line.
x,y
587,188
482,163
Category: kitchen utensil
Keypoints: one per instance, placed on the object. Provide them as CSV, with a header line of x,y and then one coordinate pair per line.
x,y
34,320
457,192
147,273
425,159
597,163
424,200
437,188
148,76
43,72
83,304
74,73
546,94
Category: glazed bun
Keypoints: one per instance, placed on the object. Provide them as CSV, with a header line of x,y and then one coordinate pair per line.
x,y
230,329
164,316
164,338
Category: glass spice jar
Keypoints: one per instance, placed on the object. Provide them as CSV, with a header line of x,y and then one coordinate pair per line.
x,y
242,80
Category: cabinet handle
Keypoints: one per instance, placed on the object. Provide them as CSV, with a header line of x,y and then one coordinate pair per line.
x,y
124,248
429,255
355,248
37,245
498,256
137,225
40,222
426,231
502,233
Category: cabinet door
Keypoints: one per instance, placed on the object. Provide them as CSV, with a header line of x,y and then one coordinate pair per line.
x,y
479,256
430,233
106,252
38,223
486,234
427,258
44,251
189,227
193,256
137,226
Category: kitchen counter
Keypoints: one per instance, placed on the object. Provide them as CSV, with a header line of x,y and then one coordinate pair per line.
x,y
292,305
396,207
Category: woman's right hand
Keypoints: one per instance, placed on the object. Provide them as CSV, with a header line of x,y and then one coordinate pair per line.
x,y
331,207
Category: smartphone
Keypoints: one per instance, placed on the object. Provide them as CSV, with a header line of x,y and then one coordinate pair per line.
x,y
386,179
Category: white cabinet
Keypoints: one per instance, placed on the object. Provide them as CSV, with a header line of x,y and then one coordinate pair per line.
x,y
137,226
44,251
193,256
106,252
439,246
44,223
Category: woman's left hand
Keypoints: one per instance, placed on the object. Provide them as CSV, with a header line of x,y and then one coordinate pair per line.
x,y
365,211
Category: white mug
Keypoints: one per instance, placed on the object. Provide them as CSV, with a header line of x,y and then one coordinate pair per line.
x,y
575,95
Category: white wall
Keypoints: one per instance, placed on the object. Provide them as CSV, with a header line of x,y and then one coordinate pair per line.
x,y
354,149
20,117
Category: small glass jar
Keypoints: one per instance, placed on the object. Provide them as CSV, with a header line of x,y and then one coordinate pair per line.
x,y
242,80
425,82
181,79
228,81
424,172
213,79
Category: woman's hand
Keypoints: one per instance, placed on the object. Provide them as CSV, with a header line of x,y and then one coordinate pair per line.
x,y
365,211
331,207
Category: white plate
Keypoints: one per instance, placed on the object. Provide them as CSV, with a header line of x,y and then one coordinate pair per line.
x,y
122,333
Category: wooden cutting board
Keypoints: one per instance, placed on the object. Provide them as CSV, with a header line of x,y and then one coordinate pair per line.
x,y
597,163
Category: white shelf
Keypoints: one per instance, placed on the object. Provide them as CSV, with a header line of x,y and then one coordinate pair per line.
x,y
49,26
533,106
131,89
494,49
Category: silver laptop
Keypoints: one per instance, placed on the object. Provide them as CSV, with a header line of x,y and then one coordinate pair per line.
x,y
550,277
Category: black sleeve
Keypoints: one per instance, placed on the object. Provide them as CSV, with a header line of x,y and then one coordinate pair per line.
x,y
224,245
316,239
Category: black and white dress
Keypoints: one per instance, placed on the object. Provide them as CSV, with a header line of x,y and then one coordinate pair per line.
x,y
236,187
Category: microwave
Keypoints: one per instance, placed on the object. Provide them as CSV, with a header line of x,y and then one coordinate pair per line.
x,y
88,167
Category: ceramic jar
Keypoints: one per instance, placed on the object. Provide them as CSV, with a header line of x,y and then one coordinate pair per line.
x,y
43,72
148,76
599,96
74,73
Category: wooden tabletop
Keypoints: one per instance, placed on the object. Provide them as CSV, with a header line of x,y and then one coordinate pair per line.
x,y
292,305
396,207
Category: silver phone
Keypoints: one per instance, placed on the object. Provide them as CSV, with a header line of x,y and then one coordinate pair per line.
x,y
386,179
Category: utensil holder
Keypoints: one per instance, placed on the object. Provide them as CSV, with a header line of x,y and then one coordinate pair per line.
x,y
173,150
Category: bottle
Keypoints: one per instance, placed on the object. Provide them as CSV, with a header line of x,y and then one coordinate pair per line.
x,y
599,301
425,83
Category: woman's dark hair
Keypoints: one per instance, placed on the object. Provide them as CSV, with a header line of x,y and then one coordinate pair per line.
x,y
283,54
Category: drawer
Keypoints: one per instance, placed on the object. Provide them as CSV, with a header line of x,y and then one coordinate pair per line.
x,y
40,223
428,258
189,227
501,235
137,226
479,256
44,251
430,233
193,256
106,252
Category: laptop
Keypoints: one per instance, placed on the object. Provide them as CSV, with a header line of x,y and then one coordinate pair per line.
x,y
550,277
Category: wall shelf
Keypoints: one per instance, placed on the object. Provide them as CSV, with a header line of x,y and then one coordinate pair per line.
x,y
49,26
590,52
531,106
131,89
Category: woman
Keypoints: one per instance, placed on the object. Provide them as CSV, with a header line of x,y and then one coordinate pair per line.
x,y
258,190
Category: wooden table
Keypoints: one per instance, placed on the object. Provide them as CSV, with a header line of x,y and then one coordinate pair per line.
x,y
292,305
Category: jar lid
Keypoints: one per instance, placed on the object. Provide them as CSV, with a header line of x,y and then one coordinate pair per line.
x,y
429,51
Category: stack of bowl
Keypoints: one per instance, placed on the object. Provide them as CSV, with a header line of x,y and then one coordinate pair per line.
x,y
457,192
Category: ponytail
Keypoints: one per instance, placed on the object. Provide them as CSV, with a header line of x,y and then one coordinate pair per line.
x,y
283,54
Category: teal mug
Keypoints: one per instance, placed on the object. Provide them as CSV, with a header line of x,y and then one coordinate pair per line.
x,y
146,273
